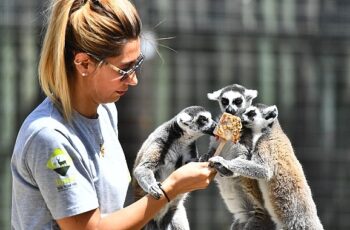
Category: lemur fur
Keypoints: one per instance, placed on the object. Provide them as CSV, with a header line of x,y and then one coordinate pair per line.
x,y
167,148
286,193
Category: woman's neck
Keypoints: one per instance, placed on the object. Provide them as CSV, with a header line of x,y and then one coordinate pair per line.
x,y
82,102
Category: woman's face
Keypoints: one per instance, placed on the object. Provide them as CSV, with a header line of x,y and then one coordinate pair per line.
x,y
107,83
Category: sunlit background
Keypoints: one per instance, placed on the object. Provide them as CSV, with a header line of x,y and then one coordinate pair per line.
x,y
296,53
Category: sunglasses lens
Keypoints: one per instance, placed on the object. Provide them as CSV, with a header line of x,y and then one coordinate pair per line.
x,y
136,68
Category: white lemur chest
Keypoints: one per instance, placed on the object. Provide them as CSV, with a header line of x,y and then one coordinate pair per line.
x,y
264,188
255,138
232,194
230,187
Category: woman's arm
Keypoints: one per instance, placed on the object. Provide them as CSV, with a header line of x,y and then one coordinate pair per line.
x,y
190,177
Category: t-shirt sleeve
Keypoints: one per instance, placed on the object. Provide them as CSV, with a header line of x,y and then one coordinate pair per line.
x,y
61,175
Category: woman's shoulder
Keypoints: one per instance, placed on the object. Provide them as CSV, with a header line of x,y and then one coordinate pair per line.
x,y
44,116
42,127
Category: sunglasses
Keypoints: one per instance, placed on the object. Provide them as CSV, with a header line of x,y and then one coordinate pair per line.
x,y
124,74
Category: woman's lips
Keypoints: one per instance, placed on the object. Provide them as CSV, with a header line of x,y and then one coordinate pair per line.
x,y
121,93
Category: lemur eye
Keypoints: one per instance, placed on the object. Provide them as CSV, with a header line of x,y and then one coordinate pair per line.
x,y
202,120
270,115
238,101
224,101
251,113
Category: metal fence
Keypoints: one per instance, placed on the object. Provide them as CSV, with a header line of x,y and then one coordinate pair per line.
x,y
295,53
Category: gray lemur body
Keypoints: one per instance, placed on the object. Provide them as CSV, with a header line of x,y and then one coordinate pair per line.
x,y
241,195
286,193
167,148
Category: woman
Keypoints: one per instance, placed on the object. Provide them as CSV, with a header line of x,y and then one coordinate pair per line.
x,y
69,170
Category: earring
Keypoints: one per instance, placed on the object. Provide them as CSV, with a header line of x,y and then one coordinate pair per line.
x,y
84,74
77,62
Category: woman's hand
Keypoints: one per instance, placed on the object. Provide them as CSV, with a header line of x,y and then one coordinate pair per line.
x,y
190,177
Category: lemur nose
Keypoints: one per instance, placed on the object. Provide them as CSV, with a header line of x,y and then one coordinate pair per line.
x,y
231,111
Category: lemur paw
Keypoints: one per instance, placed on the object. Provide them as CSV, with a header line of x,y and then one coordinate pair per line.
x,y
218,159
221,166
155,191
204,158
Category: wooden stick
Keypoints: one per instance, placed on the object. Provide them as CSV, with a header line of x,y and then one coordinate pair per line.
x,y
219,148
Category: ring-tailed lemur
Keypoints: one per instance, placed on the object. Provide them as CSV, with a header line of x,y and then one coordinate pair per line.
x,y
167,148
241,195
287,195
233,99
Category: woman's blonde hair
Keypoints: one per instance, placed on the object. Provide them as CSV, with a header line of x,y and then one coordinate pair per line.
x,y
99,27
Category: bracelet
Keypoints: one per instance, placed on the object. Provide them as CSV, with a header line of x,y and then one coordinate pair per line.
x,y
166,196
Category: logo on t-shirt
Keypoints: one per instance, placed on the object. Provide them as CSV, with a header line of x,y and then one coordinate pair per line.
x,y
60,162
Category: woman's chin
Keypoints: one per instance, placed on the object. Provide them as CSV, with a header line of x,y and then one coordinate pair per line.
x,y
116,98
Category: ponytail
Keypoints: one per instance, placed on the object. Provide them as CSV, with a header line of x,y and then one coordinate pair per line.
x,y
52,67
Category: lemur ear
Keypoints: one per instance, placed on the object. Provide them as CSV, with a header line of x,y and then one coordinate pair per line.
x,y
184,118
214,96
271,112
251,94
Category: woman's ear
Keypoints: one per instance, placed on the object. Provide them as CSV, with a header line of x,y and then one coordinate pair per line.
x,y
81,61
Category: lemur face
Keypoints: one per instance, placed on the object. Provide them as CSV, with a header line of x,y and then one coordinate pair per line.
x,y
259,116
233,99
196,121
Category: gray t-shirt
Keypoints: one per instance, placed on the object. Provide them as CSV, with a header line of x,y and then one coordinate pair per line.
x,y
62,169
